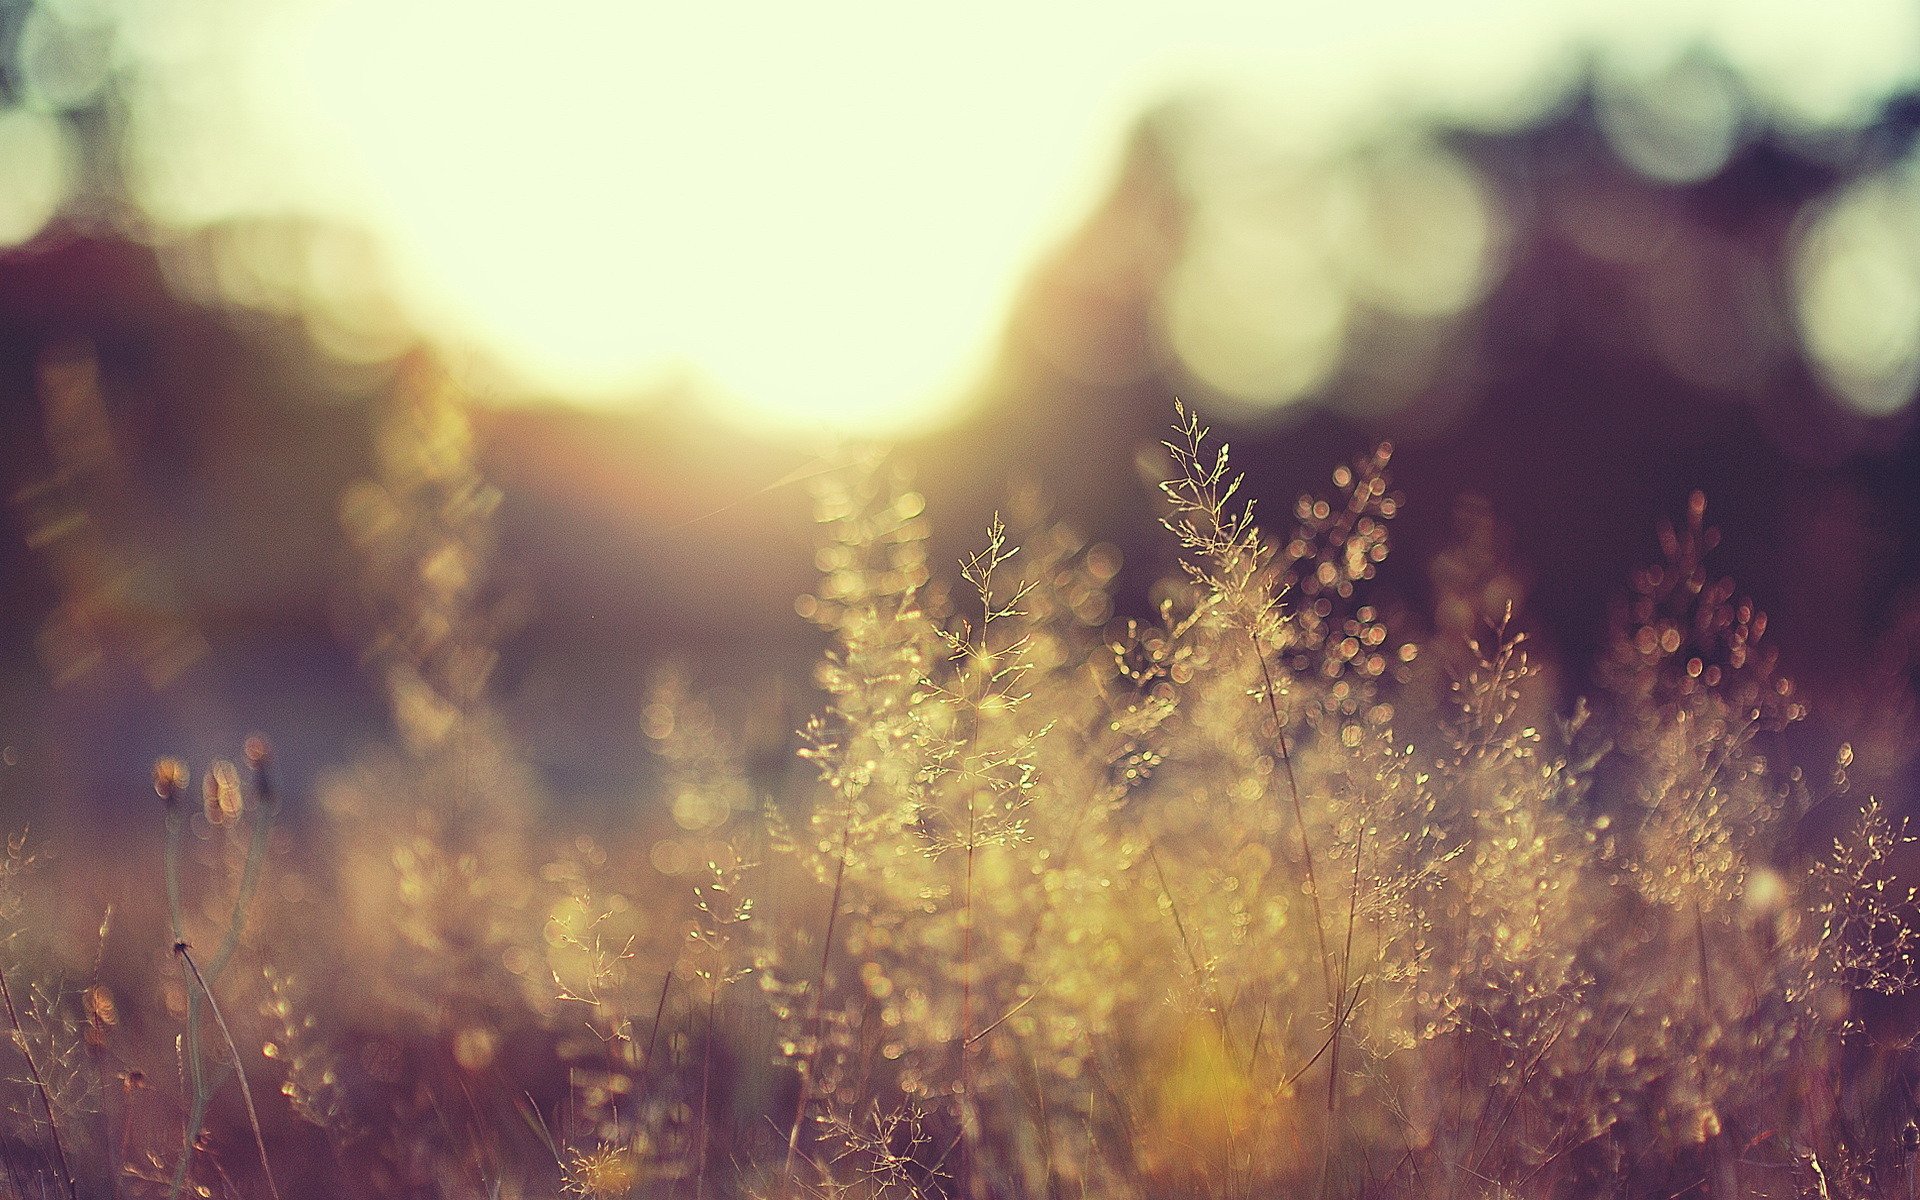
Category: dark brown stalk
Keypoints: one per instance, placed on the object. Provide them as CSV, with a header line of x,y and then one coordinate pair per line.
x,y
1346,965
706,1086
240,1071
1346,1011
39,1085
659,1010
1003,1018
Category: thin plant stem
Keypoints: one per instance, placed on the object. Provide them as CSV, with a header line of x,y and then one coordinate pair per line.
x,y
706,1086
40,1086
249,877
1299,819
246,1092
229,941
815,1016
659,1010
1186,944
1346,965
191,1072
966,1016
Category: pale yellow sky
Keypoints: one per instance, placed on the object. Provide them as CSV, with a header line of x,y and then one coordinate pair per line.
x,y
821,210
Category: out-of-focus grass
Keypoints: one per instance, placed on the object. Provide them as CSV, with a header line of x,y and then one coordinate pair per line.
x,y
1194,904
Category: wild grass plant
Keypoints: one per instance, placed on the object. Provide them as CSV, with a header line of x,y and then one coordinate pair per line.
x,y
1222,899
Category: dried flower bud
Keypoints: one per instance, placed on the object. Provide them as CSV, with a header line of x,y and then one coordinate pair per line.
x,y
170,780
100,1005
221,797
260,758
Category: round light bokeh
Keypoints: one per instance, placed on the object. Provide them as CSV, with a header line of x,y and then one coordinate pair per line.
x,y
1282,258
1857,291
37,161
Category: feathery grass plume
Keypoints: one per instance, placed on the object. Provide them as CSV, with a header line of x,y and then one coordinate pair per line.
x,y
616,951
1693,694
881,1154
867,746
1500,996
1056,922
604,1172
1213,901
979,748
1322,655
1867,933
1848,929
12,867
717,958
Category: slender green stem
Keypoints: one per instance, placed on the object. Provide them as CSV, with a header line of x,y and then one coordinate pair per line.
x,y
197,1107
230,939
249,883
246,1092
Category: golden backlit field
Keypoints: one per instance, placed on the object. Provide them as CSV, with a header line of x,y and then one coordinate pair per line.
x,y
652,602
1248,897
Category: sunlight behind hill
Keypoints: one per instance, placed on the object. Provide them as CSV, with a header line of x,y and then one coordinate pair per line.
x,y
818,215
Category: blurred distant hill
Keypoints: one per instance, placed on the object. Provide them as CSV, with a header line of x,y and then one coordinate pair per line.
x,y
1636,346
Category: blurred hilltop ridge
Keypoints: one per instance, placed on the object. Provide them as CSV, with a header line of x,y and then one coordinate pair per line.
x,y
1627,329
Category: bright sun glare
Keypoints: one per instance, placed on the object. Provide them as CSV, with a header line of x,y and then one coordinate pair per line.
x,y
815,213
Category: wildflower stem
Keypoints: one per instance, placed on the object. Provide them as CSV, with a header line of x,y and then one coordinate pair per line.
x,y
249,877
246,1092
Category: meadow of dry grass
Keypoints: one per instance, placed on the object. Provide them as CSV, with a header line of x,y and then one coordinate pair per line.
x,y
1247,896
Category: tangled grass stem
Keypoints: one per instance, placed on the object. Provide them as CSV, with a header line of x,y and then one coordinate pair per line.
x,y
1299,819
40,1086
